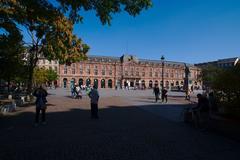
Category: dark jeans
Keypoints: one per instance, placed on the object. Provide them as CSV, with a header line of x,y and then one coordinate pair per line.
x,y
156,97
164,97
94,110
38,113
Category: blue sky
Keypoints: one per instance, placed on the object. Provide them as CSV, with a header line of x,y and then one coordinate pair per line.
x,y
182,30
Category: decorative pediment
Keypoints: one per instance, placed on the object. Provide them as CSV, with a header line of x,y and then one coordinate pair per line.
x,y
129,59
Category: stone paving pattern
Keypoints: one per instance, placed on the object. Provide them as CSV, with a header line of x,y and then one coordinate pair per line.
x,y
131,127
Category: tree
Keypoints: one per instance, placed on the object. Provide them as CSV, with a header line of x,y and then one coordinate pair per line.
x,y
225,84
43,76
209,74
51,26
40,76
10,51
51,75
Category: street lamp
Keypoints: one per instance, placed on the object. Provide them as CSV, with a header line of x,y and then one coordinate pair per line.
x,y
162,59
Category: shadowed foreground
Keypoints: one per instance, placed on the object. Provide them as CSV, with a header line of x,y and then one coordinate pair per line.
x,y
122,132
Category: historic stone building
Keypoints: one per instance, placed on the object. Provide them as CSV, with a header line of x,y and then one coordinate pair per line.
x,y
44,63
221,63
126,71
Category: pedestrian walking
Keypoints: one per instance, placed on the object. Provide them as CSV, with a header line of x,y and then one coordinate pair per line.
x,y
164,95
41,101
187,95
94,96
156,91
78,92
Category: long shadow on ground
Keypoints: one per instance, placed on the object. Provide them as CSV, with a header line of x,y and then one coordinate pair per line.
x,y
121,133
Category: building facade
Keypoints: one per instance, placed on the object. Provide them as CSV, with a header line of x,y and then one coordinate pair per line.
x,y
53,65
221,63
44,63
126,71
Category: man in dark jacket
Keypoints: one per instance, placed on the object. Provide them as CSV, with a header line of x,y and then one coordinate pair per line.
x,y
41,101
202,110
94,96
156,91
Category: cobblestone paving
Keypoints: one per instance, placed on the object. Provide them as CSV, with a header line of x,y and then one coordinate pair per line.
x,y
126,130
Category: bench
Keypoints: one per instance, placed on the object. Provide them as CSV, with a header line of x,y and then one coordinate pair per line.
x,y
7,105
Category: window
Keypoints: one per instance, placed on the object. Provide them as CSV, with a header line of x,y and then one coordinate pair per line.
x,y
103,70
137,73
88,69
143,74
55,68
95,70
176,75
110,70
156,74
73,68
166,74
126,73
132,72
81,69
65,69
150,74
50,67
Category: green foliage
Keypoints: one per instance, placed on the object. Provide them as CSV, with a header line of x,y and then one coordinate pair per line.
x,y
42,75
225,83
52,75
10,50
104,8
50,27
208,75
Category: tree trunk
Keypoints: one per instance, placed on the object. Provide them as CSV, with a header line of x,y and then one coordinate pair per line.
x,y
8,80
30,77
32,65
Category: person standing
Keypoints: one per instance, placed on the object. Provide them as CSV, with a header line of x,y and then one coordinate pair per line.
x,y
156,91
41,101
94,96
164,95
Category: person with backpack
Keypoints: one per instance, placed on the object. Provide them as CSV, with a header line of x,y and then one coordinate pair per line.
x,y
41,101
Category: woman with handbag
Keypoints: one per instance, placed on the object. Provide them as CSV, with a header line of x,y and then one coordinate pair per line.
x,y
41,101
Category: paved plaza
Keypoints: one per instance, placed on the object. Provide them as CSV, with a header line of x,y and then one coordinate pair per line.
x,y
131,127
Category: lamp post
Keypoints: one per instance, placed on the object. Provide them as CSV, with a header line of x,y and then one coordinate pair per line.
x,y
162,59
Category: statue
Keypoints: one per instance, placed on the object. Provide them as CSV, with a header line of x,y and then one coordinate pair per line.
x,y
187,71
